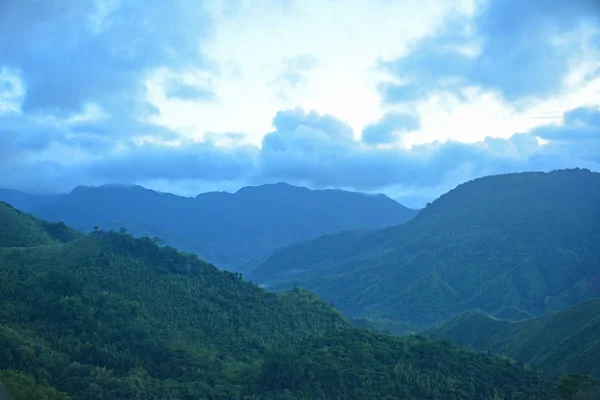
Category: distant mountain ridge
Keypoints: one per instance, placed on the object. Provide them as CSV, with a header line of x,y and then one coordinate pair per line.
x,y
566,340
515,245
233,231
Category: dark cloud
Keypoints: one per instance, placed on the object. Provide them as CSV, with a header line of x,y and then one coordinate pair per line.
x,y
319,151
70,54
301,151
27,135
583,116
74,52
579,124
24,135
386,130
517,48
200,161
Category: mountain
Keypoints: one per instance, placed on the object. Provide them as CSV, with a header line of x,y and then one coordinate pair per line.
x,y
28,202
516,246
18,229
564,341
109,316
235,231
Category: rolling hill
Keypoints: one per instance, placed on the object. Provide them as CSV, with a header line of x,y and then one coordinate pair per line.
x,y
564,341
516,246
234,231
108,316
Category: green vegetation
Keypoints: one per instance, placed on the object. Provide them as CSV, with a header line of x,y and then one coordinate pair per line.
x,y
567,341
22,387
110,308
516,246
18,229
233,231
356,365
109,316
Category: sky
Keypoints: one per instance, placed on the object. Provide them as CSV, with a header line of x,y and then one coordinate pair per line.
x,y
409,98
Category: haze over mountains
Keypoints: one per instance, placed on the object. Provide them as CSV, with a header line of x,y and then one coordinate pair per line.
x,y
233,231
515,246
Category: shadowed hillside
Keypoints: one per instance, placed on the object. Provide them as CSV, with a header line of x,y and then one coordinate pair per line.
x,y
516,246
234,231
566,341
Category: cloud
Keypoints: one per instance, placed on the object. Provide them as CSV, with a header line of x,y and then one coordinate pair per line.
x,y
386,130
185,91
75,90
199,161
73,77
583,116
96,51
295,70
519,49
302,151
319,151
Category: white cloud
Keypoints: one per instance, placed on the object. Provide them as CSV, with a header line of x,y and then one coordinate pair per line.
x,y
347,37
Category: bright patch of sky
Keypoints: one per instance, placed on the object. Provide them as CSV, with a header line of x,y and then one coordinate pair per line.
x,y
255,44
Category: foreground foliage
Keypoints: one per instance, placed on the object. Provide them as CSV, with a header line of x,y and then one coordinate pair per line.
x,y
108,316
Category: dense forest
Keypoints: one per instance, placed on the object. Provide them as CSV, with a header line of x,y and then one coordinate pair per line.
x,y
107,316
565,341
516,246
234,231
20,230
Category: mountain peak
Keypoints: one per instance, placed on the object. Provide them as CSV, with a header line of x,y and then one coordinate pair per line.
x,y
279,187
109,186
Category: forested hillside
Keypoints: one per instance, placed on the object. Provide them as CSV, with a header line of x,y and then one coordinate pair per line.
x,y
233,231
19,229
566,341
109,316
516,246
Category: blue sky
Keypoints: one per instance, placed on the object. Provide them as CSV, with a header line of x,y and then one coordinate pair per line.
x,y
409,98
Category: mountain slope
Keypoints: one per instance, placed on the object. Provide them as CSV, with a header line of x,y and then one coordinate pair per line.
x,y
564,341
516,246
111,316
109,309
18,229
235,231
28,202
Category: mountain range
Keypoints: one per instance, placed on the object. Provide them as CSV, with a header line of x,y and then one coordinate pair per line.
x,y
234,231
106,316
515,246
